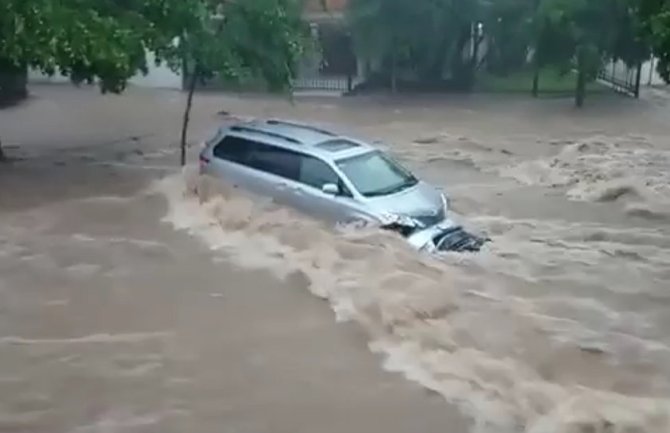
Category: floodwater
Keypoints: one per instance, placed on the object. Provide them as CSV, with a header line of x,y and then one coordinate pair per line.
x,y
562,324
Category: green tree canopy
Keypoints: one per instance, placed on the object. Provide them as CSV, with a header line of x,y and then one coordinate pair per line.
x,y
426,37
86,39
654,26
434,40
234,40
581,35
108,40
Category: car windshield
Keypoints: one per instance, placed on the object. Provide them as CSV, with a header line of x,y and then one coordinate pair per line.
x,y
375,174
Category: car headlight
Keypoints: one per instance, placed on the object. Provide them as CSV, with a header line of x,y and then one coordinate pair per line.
x,y
445,204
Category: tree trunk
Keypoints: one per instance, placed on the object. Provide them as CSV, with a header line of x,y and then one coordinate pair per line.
x,y
187,114
394,70
476,41
536,54
580,91
462,69
536,80
638,78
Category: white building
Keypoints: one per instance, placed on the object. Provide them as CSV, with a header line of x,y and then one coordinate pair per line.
x,y
157,77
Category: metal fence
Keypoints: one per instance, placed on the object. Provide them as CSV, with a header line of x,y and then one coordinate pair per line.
x,y
325,83
318,83
622,78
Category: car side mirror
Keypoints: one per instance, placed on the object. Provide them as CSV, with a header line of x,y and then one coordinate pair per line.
x,y
330,189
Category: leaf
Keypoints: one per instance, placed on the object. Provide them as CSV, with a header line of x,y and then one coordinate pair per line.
x,y
107,40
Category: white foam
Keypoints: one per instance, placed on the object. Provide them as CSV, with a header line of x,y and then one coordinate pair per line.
x,y
603,169
451,325
88,339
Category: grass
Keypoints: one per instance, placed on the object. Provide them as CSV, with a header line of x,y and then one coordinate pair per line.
x,y
552,83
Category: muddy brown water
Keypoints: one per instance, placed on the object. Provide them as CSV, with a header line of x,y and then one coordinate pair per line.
x,y
136,297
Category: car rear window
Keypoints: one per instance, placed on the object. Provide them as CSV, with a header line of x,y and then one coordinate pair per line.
x,y
234,149
261,156
282,162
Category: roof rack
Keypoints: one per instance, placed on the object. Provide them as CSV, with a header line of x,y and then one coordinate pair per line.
x,y
266,133
337,145
300,125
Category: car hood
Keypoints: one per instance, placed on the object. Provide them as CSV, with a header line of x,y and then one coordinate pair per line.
x,y
422,201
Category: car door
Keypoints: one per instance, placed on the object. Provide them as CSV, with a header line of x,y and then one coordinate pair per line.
x,y
314,173
251,165
230,162
277,170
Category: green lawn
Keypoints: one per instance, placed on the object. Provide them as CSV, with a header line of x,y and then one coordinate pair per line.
x,y
552,83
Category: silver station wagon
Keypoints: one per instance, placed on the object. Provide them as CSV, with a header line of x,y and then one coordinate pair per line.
x,y
333,178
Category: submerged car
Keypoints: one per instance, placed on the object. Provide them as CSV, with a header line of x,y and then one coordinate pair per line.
x,y
333,178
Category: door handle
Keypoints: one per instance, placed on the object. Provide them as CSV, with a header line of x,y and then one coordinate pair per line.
x,y
287,187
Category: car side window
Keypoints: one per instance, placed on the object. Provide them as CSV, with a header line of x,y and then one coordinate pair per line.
x,y
275,160
316,173
234,149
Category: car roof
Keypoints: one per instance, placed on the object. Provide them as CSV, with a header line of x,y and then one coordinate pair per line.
x,y
300,137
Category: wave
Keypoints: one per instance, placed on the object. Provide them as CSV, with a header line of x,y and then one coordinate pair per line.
x,y
458,325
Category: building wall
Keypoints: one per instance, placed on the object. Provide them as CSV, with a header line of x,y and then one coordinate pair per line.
x,y
162,77
157,77
331,5
649,75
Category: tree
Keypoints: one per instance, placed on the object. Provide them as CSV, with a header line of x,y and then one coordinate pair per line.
x,y
235,41
84,39
469,18
87,40
381,30
571,38
509,26
107,41
654,28
423,37
444,30
581,35
433,39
